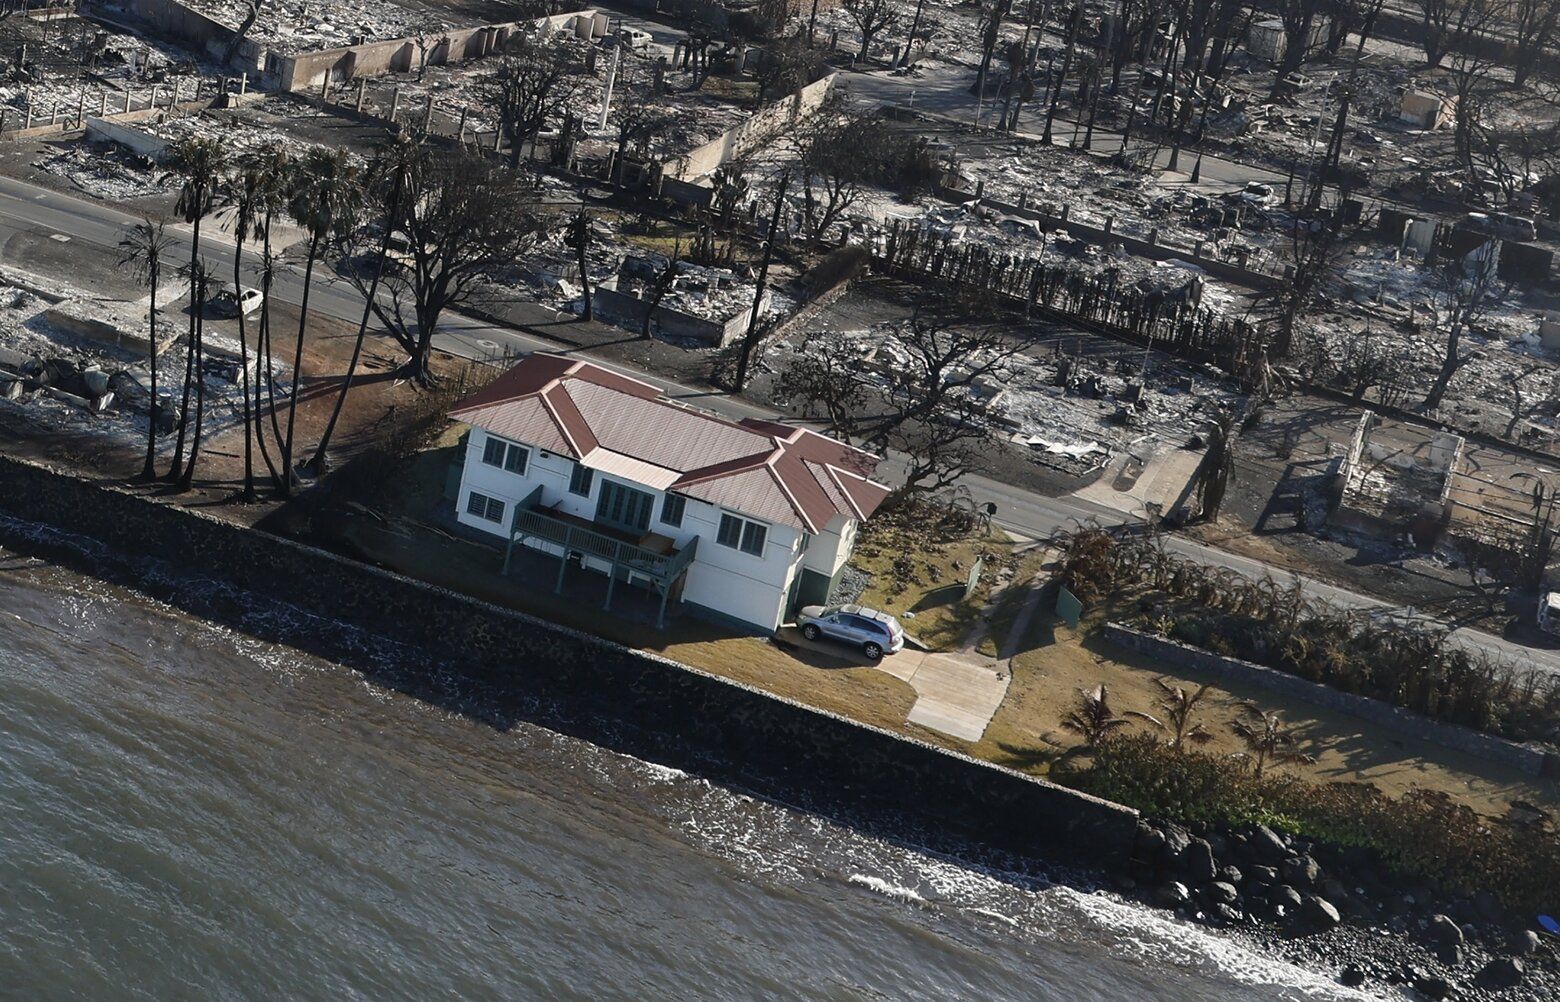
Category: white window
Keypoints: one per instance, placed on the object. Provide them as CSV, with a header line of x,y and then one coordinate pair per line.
x,y
505,455
742,534
484,507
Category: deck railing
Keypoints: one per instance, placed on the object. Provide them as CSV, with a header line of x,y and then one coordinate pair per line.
x,y
662,569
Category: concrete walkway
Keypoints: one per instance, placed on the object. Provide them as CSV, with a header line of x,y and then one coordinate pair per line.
x,y
956,694
1129,485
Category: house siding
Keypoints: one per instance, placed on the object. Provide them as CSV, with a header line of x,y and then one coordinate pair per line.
x,y
738,586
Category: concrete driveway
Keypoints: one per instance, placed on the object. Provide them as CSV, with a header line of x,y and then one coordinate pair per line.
x,y
956,694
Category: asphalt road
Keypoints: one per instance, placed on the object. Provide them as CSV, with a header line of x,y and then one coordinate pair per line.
x,y
27,209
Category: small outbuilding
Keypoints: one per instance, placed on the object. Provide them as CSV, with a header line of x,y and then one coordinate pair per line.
x,y
1426,110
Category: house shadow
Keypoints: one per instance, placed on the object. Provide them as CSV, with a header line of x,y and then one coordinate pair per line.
x,y
943,595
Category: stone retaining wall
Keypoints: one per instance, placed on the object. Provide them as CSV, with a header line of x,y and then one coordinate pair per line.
x,y
623,698
1529,759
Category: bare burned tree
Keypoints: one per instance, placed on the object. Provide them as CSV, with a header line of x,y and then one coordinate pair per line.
x,y
925,405
786,65
1367,362
1074,23
833,150
1522,403
1463,288
871,17
1532,24
536,77
1313,256
1360,16
1449,25
992,31
658,286
636,118
463,220
1299,20
577,237
1470,77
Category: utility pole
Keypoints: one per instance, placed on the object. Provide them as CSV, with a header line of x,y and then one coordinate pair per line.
x,y
606,94
758,294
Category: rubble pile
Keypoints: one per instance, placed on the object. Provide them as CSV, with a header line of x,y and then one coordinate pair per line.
x,y
293,26
951,30
71,361
684,119
238,134
1074,412
1389,307
110,173
115,63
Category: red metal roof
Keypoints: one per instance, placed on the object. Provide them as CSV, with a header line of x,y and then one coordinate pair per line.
x,y
766,469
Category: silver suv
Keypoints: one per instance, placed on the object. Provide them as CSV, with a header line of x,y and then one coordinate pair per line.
x,y
874,633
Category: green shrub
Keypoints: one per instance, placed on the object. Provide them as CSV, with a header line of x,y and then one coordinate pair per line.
x,y
1404,664
1423,833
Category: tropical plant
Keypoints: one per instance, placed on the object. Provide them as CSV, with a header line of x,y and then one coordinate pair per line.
x,y
271,169
143,250
325,192
388,177
198,163
200,280
1092,717
1268,741
1424,833
243,191
1178,706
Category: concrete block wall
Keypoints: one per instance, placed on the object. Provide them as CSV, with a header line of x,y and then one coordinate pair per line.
x,y
630,700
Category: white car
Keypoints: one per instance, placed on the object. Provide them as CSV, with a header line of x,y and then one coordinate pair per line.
x,y
636,39
231,303
874,633
1258,193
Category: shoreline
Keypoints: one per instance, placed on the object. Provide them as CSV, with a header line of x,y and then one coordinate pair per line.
x,y
1382,955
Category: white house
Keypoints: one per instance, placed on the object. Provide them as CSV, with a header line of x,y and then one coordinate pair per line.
x,y
742,521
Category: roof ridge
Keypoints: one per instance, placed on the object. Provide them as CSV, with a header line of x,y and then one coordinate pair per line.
x,y
552,412
833,475
785,489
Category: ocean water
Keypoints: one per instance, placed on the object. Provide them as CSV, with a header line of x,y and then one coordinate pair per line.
x,y
187,812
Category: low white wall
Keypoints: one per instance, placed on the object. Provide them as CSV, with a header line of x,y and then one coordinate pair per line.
x,y
748,135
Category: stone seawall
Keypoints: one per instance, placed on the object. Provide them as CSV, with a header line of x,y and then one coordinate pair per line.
x,y
630,700
1529,759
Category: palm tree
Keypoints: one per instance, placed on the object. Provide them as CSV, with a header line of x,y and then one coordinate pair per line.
x,y
272,173
199,163
391,173
1092,717
1178,706
1268,740
241,192
142,249
201,281
325,190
